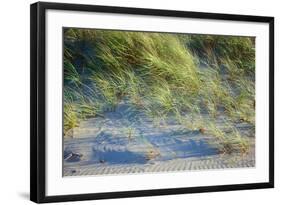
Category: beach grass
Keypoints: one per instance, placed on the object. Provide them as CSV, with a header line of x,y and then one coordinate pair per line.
x,y
162,75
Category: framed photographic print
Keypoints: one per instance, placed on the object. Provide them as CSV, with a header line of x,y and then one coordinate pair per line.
x,y
129,102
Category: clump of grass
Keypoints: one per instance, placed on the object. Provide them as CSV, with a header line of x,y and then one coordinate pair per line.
x,y
146,67
219,50
213,92
78,107
229,138
70,119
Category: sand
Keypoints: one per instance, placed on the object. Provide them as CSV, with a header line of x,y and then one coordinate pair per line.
x,y
125,141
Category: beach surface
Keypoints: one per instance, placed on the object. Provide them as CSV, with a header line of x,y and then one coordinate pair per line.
x,y
125,141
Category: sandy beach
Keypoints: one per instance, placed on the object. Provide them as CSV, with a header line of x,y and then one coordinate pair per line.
x,y
125,141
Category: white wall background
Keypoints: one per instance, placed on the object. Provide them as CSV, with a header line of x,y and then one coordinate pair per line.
x,y
14,100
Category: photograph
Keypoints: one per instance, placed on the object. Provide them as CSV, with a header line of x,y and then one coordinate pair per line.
x,y
134,102
139,102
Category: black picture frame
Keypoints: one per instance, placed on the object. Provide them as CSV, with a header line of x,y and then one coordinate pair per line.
x,y
38,101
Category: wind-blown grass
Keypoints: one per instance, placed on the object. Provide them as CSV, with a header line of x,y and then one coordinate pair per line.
x,y
161,74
